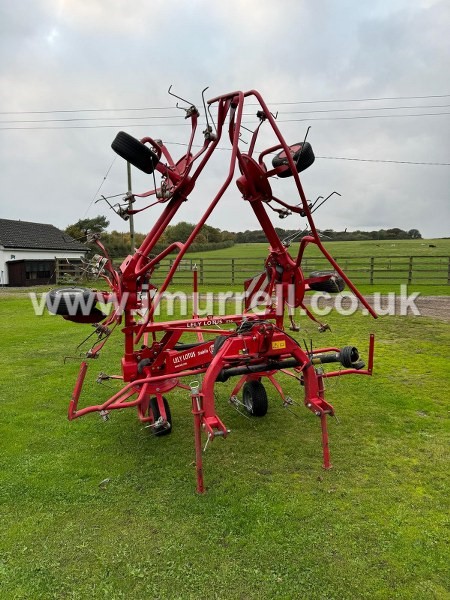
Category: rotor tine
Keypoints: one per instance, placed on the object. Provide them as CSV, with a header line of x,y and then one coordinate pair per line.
x,y
179,97
241,413
234,404
204,106
86,339
303,145
212,119
292,412
315,202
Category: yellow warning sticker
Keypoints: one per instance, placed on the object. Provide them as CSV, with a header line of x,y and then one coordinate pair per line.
x,y
278,345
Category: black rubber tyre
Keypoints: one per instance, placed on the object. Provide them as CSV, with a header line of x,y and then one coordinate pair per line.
x,y
154,408
218,343
254,398
302,155
61,301
333,285
136,153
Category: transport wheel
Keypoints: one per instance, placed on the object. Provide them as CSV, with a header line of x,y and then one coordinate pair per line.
x,y
254,398
154,409
302,155
135,152
64,301
333,285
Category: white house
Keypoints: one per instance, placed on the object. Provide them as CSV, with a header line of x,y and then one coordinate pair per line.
x,y
28,252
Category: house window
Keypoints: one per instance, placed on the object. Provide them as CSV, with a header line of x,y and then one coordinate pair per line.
x,y
37,270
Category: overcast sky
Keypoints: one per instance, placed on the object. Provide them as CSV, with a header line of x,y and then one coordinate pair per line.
x,y
75,55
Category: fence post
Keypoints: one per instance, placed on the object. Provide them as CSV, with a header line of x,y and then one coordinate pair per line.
x,y
201,271
372,261
410,271
448,275
232,271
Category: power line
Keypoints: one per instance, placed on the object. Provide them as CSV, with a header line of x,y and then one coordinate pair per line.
x,y
391,116
82,110
405,162
95,126
100,186
73,119
398,162
359,99
335,100
361,117
375,160
328,110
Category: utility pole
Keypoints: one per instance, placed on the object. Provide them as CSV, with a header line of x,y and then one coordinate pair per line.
x,y
130,207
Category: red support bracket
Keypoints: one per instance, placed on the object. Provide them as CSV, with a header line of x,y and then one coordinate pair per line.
x,y
197,411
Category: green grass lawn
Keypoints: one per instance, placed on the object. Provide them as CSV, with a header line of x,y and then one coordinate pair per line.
x,y
272,524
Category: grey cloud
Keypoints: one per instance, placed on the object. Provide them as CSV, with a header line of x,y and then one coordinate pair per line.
x,y
65,55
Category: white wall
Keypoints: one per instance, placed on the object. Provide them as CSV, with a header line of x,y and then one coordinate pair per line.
x,y
7,254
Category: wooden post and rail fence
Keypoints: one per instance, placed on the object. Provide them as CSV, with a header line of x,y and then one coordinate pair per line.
x,y
372,270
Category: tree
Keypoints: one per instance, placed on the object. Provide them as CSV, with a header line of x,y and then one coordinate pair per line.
x,y
212,234
82,227
179,232
414,234
395,233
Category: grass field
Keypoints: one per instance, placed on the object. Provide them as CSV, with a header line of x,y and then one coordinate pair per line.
x,y
431,271
338,249
272,524
391,266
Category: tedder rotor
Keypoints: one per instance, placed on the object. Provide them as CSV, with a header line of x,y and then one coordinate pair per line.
x,y
252,346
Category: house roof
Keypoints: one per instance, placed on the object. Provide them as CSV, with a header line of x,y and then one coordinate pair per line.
x,y
36,236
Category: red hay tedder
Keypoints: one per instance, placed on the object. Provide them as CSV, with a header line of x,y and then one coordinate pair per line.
x,y
254,346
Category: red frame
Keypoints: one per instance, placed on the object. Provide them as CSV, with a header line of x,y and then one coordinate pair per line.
x,y
151,364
